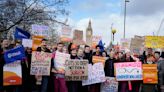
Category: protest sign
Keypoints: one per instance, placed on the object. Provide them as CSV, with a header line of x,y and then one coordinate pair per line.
x,y
17,53
37,40
76,70
27,43
12,74
66,34
125,44
154,41
60,59
96,59
40,30
150,74
128,71
137,45
110,85
20,34
40,63
95,74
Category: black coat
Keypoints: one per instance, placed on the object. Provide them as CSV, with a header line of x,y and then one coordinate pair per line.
x,y
109,67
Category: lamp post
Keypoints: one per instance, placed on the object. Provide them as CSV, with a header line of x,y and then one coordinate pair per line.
x,y
125,17
113,32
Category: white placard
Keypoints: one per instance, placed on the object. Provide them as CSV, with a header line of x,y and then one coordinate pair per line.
x,y
27,43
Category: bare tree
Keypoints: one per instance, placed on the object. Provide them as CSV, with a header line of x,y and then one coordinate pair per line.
x,y
24,13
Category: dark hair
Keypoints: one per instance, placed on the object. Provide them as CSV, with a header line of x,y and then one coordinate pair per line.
x,y
157,52
44,40
60,43
3,39
86,46
97,46
162,55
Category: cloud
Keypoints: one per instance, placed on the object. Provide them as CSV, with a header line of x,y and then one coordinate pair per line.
x,y
145,7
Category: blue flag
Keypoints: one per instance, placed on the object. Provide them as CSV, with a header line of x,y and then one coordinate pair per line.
x,y
101,45
14,54
20,34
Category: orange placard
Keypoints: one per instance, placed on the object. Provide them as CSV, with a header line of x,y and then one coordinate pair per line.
x,y
150,74
96,59
36,42
65,39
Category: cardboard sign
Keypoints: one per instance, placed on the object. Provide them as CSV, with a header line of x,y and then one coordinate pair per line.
x,y
128,71
76,70
12,74
40,30
137,45
66,34
96,59
27,43
125,44
154,41
60,59
40,63
95,74
110,85
150,74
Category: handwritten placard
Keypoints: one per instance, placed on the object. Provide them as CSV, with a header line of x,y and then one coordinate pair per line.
x,y
40,63
150,74
110,85
60,59
95,74
76,70
128,71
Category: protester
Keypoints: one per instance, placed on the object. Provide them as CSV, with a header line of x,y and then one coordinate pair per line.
x,y
88,54
161,73
59,77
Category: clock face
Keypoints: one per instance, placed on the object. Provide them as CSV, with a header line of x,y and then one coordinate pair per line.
x,y
89,33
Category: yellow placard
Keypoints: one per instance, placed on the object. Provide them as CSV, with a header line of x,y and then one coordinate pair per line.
x,y
36,42
96,59
154,41
150,74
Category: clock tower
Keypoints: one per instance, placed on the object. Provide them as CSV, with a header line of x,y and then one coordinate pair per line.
x,y
89,33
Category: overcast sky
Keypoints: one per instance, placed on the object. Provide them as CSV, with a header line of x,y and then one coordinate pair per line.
x,y
143,17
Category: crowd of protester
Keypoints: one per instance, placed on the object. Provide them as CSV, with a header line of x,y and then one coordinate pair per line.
x,y
56,81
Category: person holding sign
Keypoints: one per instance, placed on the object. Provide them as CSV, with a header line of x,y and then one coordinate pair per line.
x,y
59,77
44,81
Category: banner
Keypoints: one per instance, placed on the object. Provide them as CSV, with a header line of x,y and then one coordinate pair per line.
x,y
95,74
150,74
40,30
20,34
125,44
60,59
12,74
37,40
110,85
96,59
154,41
27,43
14,54
76,70
128,71
40,63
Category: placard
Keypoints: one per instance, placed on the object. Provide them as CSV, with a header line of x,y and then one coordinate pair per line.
x,y
60,59
150,74
125,44
154,41
110,85
40,30
128,71
66,34
37,40
76,70
40,63
27,43
12,74
96,74
96,59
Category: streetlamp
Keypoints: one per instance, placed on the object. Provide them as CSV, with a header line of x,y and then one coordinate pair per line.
x,y
113,32
125,16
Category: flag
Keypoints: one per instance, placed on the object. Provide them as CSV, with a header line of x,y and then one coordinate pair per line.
x,y
101,45
19,34
14,54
